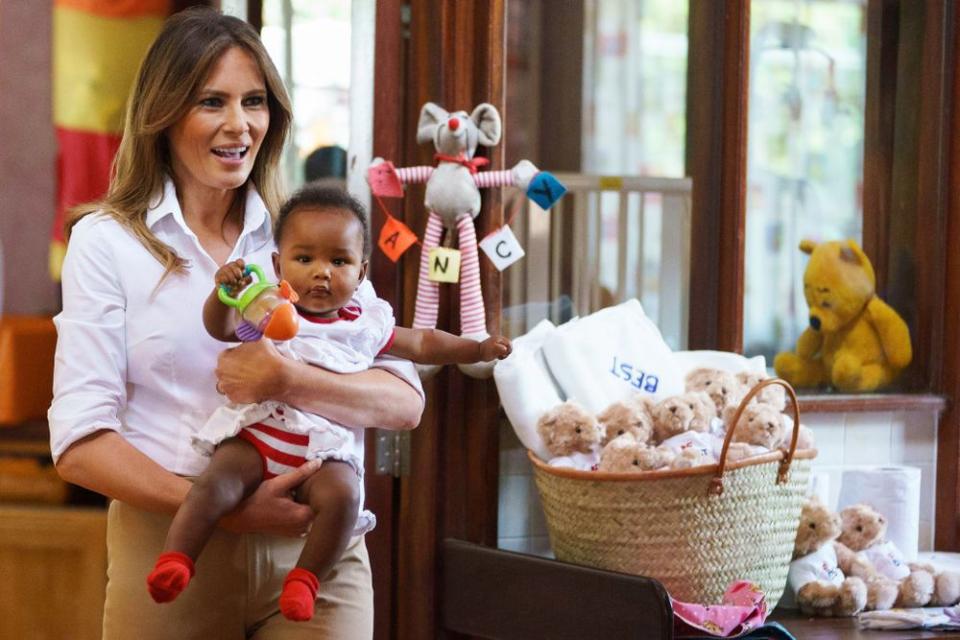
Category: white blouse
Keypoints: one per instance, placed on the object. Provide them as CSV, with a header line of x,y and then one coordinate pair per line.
x,y
134,357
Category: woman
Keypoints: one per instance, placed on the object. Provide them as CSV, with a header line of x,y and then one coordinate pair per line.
x,y
194,186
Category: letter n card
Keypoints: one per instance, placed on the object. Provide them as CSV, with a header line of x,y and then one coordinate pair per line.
x,y
444,265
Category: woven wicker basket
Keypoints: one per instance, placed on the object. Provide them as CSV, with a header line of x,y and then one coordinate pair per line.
x,y
695,530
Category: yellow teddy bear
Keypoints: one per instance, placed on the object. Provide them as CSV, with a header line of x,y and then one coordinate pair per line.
x,y
855,341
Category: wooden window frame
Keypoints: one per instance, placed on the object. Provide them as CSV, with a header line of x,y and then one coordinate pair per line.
x,y
911,219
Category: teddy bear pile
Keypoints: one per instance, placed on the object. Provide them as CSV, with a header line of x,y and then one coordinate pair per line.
x,y
678,432
843,564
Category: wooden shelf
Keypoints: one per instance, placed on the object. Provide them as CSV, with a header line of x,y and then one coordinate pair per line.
x,y
851,403
28,438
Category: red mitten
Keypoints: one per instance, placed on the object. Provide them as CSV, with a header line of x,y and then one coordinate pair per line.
x,y
170,576
299,594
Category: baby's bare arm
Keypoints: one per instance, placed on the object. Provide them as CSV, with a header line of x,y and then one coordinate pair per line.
x,y
432,346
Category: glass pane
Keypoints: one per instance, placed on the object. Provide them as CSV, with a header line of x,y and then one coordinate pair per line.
x,y
309,41
613,107
634,87
236,8
604,242
805,158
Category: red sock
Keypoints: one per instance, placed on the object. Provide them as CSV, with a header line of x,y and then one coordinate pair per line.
x,y
299,593
170,576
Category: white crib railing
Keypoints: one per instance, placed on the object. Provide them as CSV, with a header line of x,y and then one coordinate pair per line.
x,y
607,240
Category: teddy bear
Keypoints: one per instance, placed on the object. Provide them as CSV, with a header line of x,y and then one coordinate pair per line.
x,y
571,434
628,416
815,579
855,341
453,201
772,394
775,396
625,454
759,425
686,430
687,424
692,456
863,551
946,585
722,386
691,411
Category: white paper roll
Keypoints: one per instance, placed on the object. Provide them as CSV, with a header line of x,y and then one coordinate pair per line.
x,y
820,486
893,491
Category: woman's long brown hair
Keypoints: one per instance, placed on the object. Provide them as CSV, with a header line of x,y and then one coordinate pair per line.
x,y
171,74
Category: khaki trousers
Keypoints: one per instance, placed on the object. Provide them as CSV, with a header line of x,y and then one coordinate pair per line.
x,y
234,594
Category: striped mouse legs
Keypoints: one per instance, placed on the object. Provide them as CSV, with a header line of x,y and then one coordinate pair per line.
x,y
472,310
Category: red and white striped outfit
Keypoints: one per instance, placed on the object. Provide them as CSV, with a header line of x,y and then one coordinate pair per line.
x,y
281,451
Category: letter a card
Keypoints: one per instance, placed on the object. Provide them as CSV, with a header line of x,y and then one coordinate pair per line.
x,y
395,238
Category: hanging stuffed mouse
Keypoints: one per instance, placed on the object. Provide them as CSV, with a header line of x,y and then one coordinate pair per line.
x,y
453,201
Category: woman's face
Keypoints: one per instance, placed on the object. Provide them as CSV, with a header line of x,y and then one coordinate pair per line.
x,y
214,145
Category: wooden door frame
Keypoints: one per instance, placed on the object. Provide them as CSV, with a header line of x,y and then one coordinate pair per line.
x,y
718,64
388,142
946,344
450,52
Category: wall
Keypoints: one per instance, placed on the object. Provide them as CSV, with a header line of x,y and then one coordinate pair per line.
x,y
27,157
872,438
881,438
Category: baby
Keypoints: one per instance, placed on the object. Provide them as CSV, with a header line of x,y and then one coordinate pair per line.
x,y
323,248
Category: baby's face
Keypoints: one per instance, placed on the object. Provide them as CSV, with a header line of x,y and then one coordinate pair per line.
x,y
321,256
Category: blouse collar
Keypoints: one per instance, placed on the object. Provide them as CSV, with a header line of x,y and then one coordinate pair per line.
x,y
255,214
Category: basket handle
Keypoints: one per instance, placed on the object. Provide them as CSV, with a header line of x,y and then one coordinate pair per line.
x,y
716,485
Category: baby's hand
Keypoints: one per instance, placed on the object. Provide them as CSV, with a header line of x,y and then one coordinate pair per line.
x,y
495,348
231,275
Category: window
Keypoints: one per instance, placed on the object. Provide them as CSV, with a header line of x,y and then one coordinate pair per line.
x,y
622,97
310,42
805,154
634,87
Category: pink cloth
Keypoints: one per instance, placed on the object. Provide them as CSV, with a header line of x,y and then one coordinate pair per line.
x,y
743,608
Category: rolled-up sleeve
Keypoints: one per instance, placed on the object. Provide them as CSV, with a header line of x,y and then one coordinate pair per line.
x,y
403,369
89,381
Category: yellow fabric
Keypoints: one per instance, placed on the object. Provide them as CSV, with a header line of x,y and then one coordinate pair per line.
x,y
118,8
55,260
95,59
855,341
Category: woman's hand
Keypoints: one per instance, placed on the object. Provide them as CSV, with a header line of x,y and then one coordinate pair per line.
x,y
251,372
271,509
